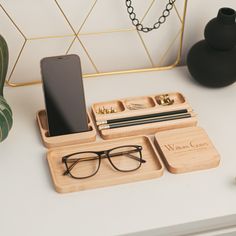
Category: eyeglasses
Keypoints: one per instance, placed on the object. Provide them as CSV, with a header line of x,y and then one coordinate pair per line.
x,y
81,165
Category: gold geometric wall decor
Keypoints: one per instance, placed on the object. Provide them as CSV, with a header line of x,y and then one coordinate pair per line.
x,y
99,31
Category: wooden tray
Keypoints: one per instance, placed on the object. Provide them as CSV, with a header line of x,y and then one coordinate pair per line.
x,y
187,149
64,140
151,106
106,176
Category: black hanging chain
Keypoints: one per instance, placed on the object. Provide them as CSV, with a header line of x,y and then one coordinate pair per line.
x,y
138,24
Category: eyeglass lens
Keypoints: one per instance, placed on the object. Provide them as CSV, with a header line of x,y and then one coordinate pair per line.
x,y
83,165
125,158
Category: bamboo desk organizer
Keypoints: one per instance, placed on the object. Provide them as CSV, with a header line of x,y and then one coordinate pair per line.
x,y
79,36
151,107
61,145
182,146
64,140
186,149
106,176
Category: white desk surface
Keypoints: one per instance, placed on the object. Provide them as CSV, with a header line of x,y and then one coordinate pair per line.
x,y
30,206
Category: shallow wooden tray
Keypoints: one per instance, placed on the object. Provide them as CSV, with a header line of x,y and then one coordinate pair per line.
x,y
64,140
106,176
187,149
151,106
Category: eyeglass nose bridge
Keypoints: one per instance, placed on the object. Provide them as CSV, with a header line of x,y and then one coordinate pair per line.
x,y
101,153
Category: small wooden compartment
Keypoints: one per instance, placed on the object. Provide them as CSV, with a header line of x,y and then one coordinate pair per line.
x,y
177,97
187,149
64,140
139,106
144,103
117,105
107,175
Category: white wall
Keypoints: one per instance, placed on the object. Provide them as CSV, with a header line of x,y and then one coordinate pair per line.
x,y
109,52
198,14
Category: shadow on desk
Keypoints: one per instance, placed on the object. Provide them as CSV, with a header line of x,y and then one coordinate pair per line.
x,y
217,226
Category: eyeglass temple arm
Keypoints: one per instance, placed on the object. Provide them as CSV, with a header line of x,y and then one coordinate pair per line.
x,y
103,157
129,155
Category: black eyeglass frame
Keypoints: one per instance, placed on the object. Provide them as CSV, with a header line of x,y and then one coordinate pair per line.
x,y
101,155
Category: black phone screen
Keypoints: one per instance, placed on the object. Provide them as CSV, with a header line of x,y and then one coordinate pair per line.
x,y
64,95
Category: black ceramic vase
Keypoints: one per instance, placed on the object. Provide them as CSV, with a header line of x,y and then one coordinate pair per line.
x,y
212,62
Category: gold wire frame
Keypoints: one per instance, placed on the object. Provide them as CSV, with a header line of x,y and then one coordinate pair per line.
x,y
77,34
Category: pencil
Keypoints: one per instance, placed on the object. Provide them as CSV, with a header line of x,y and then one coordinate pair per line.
x,y
141,117
141,122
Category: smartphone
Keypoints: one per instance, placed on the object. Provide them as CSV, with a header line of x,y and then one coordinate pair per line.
x,y
64,95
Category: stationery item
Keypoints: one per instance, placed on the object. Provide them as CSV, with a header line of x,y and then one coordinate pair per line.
x,y
108,175
81,165
141,117
141,103
143,121
64,95
211,62
136,106
103,110
149,120
165,100
186,149
64,140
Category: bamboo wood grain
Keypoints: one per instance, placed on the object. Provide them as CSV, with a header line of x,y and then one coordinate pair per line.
x,y
106,176
121,106
64,140
153,107
187,149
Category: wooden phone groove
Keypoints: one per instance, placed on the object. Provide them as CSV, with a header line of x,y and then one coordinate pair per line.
x,y
64,140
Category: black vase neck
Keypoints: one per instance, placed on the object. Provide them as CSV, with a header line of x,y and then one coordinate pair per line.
x,y
227,16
